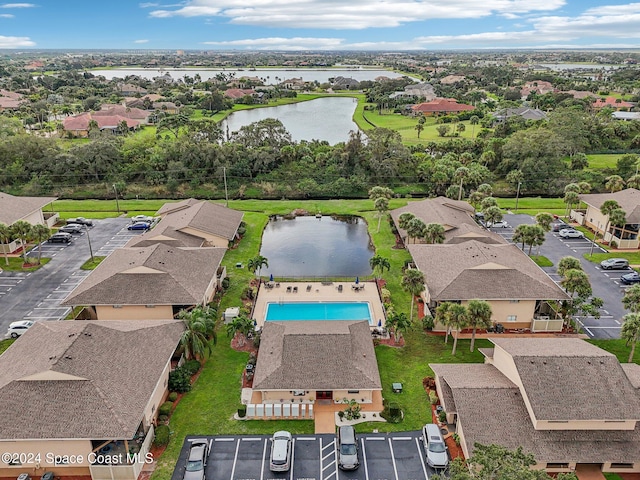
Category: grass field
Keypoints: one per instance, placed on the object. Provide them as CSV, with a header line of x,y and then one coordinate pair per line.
x,y
15,264
602,161
4,344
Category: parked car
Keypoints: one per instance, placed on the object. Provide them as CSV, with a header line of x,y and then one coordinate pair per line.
x,y
280,458
71,228
571,233
139,226
630,278
560,226
614,264
142,218
500,224
60,237
81,221
347,448
434,447
198,453
18,328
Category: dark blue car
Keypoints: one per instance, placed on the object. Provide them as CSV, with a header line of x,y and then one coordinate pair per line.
x,y
139,226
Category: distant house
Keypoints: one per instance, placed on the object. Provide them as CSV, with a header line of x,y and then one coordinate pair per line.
x,y
149,283
345,83
130,90
451,79
138,114
527,113
294,84
592,217
78,125
28,209
612,102
314,361
134,102
419,90
10,100
236,93
84,389
625,115
192,223
518,291
457,218
441,106
539,87
581,94
547,395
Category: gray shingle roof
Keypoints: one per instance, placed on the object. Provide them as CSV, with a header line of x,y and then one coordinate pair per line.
x,y
155,275
628,199
478,270
14,208
83,379
316,356
632,370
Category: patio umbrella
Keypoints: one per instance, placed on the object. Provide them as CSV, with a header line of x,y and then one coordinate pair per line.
x,y
380,322
271,277
357,280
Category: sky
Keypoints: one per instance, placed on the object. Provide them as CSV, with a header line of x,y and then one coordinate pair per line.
x,y
319,24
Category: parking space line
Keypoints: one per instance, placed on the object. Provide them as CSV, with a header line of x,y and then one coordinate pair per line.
x,y
364,460
393,460
235,459
293,454
420,455
264,457
250,439
617,322
224,439
400,438
376,438
311,439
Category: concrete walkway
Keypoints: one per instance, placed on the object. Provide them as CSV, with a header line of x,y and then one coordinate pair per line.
x,y
589,472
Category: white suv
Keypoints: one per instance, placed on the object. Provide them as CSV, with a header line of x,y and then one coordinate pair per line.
x,y
18,328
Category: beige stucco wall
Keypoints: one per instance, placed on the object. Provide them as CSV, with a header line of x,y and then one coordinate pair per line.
x,y
286,396
363,396
595,220
76,450
158,396
585,425
501,309
35,218
134,312
210,240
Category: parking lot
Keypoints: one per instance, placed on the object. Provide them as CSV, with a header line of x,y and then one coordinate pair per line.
x,y
606,284
394,456
37,295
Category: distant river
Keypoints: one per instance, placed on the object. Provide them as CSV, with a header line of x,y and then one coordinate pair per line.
x,y
270,76
327,119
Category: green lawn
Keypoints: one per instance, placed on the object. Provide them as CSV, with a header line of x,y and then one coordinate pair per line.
x,y
602,161
15,264
633,257
542,261
4,344
92,264
618,347
533,205
612,476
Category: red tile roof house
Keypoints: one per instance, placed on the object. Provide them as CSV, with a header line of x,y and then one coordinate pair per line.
x,y
236,93
78,125
133,113
440,106
615,103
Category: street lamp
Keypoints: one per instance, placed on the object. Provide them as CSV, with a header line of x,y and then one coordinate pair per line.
x,y
117,204
86,228
517,196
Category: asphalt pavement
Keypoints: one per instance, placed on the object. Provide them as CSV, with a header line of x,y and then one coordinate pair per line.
x,y
397,456
37,295
605,284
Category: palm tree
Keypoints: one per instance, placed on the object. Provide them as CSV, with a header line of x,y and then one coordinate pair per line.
x,y
618,218
492,215
576,281
631,331
404,219
442,316
419,127
413,282
479,317
462,173
434,233
5,238
415,229
241,324
519,234
633,181
457,318
545,220
40,233
381,204
256,263
474,120
533,236
400,324
22,230
570,198
606,208
195,338
631,299
615,183
568,263
378,265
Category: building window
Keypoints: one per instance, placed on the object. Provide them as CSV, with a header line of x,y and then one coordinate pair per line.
x,y
150,306
353,391
514,301
512,318
117,306
622,465
557,465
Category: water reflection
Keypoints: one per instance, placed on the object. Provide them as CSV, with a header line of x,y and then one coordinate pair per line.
x,y
310,246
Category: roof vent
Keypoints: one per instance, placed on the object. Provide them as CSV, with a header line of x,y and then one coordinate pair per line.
x,y
68,357
71,335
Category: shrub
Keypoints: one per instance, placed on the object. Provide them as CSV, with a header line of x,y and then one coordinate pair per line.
x,y
433,397
191,367
428,322
161,436
614,244
173,396
391,413
442,416
242,411
165,408
242,230
456,438
163,418
179,381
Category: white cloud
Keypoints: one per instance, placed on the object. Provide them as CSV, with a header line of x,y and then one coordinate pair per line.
x,y
16,42
141,41
6,15
627,9
356,14
280,43
17,5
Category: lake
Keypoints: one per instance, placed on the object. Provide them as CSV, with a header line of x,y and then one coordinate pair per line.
x,y
316,247
270,76
327,119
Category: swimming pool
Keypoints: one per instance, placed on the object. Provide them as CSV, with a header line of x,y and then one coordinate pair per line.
x,y
287,311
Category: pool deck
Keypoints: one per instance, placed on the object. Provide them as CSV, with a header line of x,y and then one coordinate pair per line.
x,y
319,292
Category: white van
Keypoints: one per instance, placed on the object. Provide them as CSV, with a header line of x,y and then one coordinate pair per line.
x,y
280,458
434,447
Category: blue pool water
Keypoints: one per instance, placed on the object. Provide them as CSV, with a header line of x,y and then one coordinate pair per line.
x,y
318,311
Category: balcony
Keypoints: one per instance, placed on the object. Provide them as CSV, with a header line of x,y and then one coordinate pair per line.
x,y
121,460
544,323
